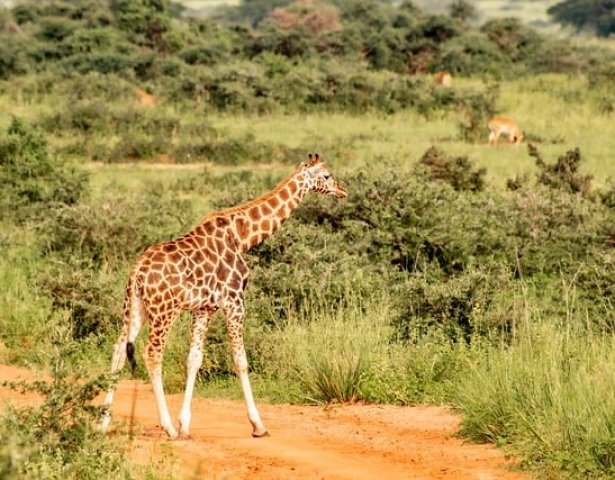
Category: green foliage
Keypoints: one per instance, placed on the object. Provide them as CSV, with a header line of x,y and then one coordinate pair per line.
x,y
585,14
564,174
477,109
92,246
219,62
147,21
114,228
31,180
462,10
335,379
457,172
58,438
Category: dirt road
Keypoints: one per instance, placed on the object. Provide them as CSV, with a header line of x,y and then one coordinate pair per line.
x,y
358,442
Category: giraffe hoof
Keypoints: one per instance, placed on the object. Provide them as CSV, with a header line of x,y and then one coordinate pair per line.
x,y
184,436
264,433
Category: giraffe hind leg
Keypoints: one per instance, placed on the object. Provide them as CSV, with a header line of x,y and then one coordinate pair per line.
x,y
200,324
152,355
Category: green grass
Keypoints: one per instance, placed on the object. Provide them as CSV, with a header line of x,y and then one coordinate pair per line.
x,y
546,106
549,394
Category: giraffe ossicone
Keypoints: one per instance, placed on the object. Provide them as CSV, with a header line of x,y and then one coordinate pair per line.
x,y
201,272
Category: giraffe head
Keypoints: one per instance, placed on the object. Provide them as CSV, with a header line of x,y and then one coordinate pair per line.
x,y
320,179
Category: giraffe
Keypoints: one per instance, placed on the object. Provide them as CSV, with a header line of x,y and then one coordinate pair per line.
x,y
201,272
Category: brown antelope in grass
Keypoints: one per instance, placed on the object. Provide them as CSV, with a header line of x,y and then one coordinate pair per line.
x,y
443,78
503,126
144,97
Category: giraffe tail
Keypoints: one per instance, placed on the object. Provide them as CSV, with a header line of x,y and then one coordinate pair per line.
x,y
134,317
130,355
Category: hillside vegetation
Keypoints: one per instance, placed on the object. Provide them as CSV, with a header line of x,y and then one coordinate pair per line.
x,y
458,273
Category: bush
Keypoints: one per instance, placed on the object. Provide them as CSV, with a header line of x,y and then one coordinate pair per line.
x,y
58,438
477,109
457,172
92,246
31,181
115,229
564,174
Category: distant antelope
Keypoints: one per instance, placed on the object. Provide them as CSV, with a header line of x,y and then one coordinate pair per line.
x,y
443,78
144,97
503,126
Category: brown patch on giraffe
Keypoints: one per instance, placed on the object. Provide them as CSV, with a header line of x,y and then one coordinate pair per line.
x,y
243,227
153,277
209,227
284,195
199,231
281,213
220,247
222,222
230,240
182,244
210,256
197,256
266,225
175,256
292,187
254,213
266,210
229,258
169,247
273,202
211,245
234,282
241,267
222,272
192,241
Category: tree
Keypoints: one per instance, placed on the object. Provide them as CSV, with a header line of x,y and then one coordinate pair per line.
x,y
147,20
462,10
598,15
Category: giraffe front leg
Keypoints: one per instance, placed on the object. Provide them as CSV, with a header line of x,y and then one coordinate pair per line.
x,y
200,324
234,322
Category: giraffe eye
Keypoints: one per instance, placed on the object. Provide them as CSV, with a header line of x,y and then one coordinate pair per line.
x,y
326,176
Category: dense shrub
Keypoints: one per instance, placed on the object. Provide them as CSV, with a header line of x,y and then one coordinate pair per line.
x,y
115,228
93,244
477,108
457,171
564,173
31,180
58,438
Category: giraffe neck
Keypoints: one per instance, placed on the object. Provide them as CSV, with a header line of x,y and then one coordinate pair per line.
x,y
258,219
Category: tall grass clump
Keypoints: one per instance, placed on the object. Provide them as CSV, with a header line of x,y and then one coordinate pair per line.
x,y
349,352
548,393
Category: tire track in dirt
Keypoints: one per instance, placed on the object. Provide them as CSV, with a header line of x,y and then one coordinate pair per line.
x,y
359,442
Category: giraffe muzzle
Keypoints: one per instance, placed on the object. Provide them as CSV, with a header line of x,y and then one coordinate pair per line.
x,y
340,192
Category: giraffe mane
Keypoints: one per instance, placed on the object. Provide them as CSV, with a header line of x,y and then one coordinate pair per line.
x,y
258,200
